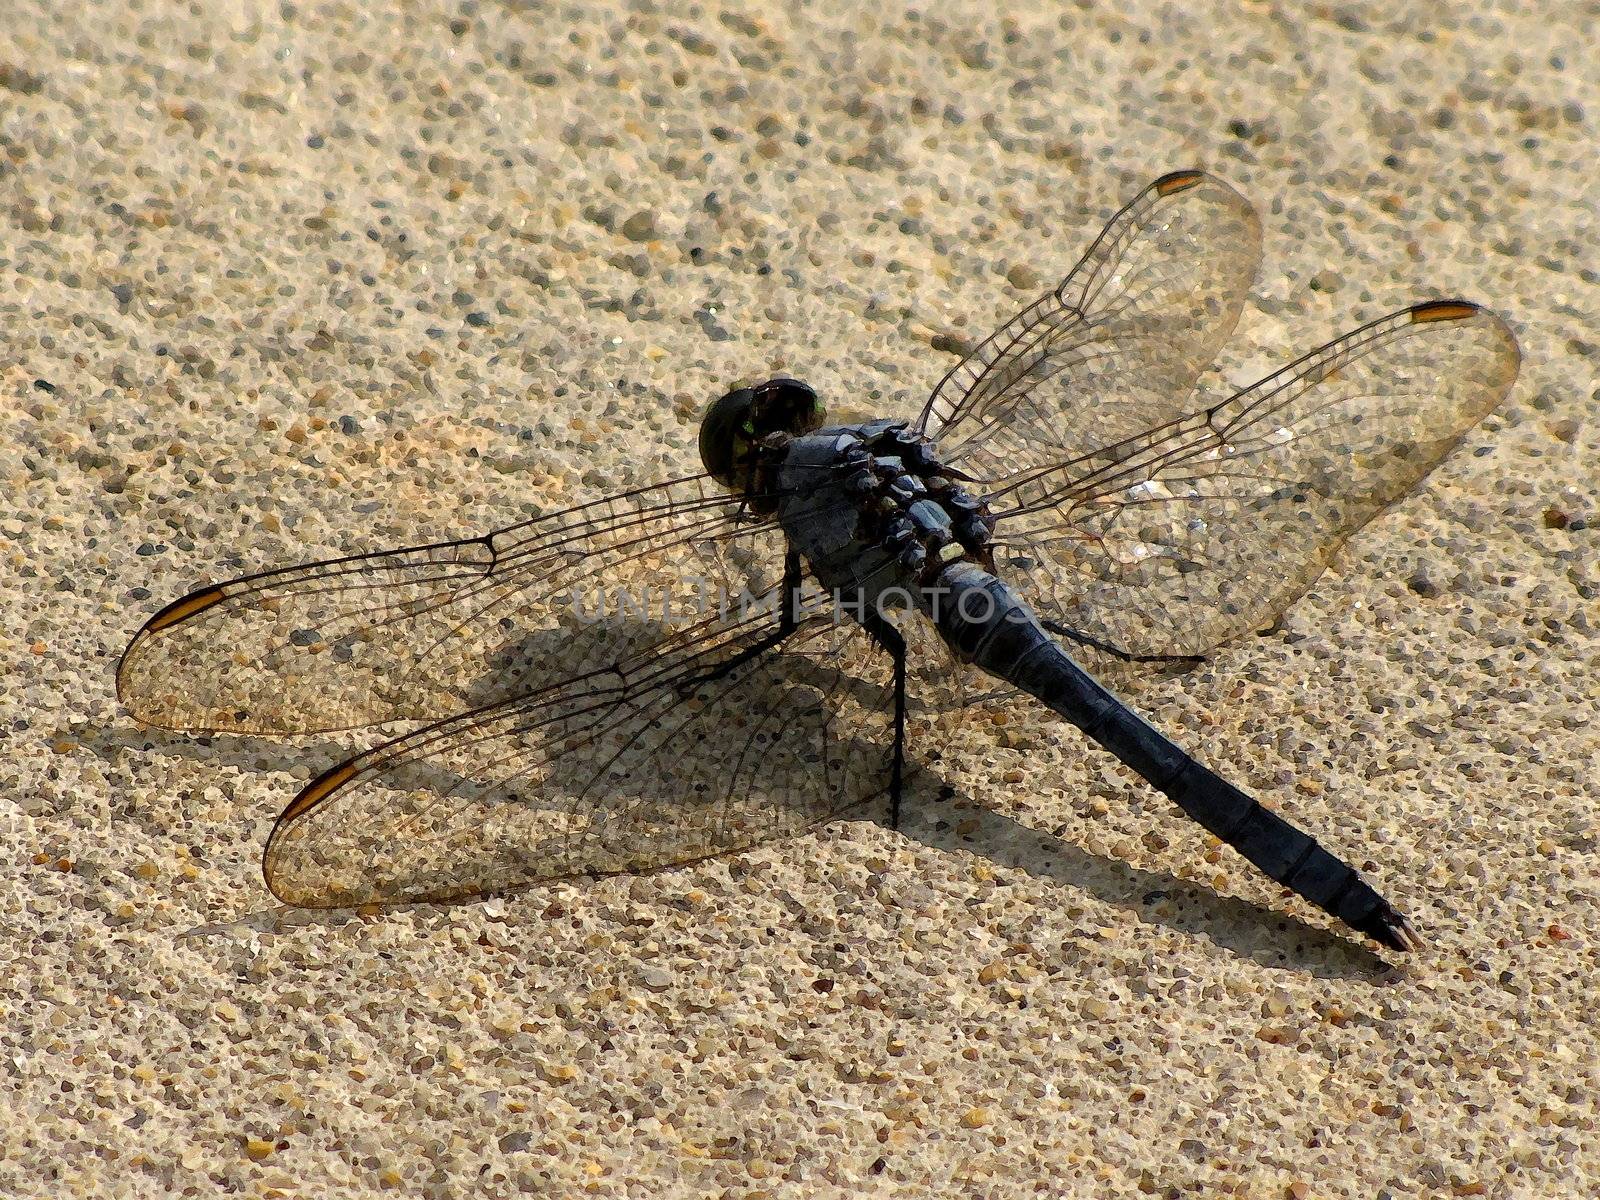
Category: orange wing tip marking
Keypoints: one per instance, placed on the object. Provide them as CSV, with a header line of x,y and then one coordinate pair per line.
x,y
1177,181
182,610
1444,310
317,791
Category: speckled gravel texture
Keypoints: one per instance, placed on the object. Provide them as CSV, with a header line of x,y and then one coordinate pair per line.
x,y
289,280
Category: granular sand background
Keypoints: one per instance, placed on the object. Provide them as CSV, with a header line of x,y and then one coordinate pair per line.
x,y
284,281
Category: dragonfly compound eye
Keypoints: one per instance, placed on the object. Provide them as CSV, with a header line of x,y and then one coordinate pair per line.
x,y
725,436
734,425
785,405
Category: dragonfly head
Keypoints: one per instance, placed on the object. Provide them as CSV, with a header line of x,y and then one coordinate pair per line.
x,y
736,426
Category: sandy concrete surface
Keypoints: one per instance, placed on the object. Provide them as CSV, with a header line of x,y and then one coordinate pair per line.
x,y
287,280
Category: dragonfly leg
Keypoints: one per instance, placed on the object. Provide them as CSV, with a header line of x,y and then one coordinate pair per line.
x,y
788,619
1083,639
893,641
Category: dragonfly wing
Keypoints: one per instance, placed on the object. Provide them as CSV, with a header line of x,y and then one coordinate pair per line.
x,y
654,762
1116,347
426,632
1209,525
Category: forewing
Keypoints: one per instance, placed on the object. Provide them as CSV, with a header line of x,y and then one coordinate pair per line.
x,y
430,631
1116,347
1208,526
647,765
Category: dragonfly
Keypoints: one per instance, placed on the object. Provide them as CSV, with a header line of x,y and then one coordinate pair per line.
x,y
1071,506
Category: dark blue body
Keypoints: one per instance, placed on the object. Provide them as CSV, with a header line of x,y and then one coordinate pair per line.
x,y
847,506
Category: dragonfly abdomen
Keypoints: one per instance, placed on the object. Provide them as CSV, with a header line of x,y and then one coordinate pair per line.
x,y
988,624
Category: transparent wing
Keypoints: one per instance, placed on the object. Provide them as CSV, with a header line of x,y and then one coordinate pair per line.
x,y
671,756
1114,349
430,631
1207,526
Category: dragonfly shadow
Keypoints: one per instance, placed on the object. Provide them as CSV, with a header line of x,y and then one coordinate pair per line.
x,y
1247,929
1256,932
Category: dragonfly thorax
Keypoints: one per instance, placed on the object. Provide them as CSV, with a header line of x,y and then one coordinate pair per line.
x,y
871,507
739,428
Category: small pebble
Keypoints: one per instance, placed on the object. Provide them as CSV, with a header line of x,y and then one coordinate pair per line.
x,y
656,978
640,227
